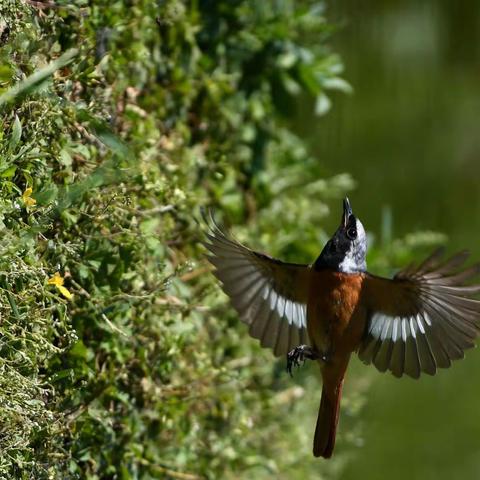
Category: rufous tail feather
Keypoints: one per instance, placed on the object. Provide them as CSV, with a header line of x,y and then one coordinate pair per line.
x,y
327,421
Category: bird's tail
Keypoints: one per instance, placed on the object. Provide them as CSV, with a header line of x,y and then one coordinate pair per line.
x,y
327,421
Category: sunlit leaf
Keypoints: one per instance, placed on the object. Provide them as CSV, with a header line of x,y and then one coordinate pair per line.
x,y
322,104
337,83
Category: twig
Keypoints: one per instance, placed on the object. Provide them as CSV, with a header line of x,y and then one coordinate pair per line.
x,y
34,3
194,273
112,326
168,471
79,288
47,4
153,211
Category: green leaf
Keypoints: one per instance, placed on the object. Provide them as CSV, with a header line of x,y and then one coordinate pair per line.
x,y
65,158
113,142
47,195
9,172
34,81
16,134
308,78
5,73
322,104
337,83
290,85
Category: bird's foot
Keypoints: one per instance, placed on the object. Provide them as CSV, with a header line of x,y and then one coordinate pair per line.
x,y
299,355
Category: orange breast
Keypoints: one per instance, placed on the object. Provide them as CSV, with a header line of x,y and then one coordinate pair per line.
x,y
335,316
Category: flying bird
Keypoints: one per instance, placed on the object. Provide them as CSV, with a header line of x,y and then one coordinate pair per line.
x,y
417,322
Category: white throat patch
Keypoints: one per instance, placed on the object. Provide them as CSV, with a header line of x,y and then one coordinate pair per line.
x,y
354,260
349,264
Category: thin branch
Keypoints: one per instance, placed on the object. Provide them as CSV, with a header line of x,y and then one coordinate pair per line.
x,y
43,5
194,273
169,471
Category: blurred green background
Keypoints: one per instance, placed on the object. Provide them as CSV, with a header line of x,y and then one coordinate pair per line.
x,y
410,136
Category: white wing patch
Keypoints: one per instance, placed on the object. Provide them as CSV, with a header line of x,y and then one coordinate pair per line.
x,y
269,295
432,318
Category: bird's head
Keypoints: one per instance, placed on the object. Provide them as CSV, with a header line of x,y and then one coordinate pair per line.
x,y
347,249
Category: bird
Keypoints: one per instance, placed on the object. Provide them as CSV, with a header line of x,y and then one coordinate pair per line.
x,y
415,323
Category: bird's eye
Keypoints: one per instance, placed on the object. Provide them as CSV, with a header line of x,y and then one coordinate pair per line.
x,y
352,233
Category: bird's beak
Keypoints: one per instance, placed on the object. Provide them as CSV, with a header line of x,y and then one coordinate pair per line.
x,y
347,211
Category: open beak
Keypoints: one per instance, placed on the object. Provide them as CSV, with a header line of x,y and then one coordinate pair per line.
x,y
347,211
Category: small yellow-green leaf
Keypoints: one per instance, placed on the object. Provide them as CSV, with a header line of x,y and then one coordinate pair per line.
x,y
64,292
9,172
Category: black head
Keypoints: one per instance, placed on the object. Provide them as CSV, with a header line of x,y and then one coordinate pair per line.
x,y
346,250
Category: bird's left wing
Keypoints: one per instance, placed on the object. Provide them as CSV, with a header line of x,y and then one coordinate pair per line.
x,y
423,318
269,295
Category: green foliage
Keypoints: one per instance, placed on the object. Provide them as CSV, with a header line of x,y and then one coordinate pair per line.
x,y
123,118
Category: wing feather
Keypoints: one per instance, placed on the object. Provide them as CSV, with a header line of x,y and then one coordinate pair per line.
x,y
423,318
269,295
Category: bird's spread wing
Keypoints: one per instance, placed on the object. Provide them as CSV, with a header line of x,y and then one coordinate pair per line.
x,y
269,295
423,318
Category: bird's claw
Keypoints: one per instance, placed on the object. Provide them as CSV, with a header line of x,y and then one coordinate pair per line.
x,y
299,355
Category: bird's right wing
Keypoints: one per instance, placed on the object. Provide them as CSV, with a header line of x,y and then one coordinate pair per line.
x,y
423,318
269,295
